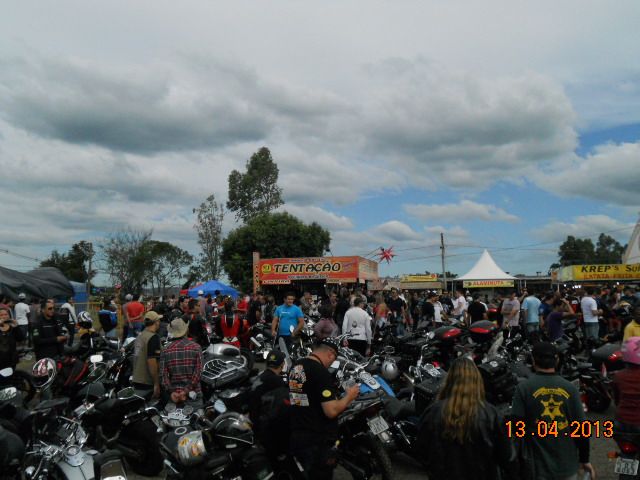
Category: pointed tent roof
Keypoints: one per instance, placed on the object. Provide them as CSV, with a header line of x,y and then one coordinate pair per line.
x,y
632,253
486,269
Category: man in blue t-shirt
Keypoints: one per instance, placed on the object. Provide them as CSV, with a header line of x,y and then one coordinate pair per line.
x,y
531,308
286,316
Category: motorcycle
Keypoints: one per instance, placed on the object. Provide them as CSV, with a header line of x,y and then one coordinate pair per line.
x,y
19,379
113,423
628,459
57,448
225,366
360,449
216,445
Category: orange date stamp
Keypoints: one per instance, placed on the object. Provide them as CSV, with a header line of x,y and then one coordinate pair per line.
x,y
575,429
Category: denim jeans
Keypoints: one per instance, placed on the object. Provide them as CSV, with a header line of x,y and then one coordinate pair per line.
x,y
591,330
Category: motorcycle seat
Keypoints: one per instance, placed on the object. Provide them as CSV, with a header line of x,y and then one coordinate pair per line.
x,y
107,405
51,404
399,410
582,366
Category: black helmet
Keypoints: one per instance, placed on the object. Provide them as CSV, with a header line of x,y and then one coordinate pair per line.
x,y
232,430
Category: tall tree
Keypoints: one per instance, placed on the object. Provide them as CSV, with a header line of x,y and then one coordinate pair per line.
x,y
576,251
168,264
274,235
255,192
209,217
127,260
74,263
608,250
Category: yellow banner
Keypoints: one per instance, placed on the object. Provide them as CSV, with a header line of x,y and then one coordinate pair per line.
x,y
432,277
487,283
624,271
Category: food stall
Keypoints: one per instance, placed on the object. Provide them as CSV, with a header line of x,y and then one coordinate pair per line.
x,y
316,274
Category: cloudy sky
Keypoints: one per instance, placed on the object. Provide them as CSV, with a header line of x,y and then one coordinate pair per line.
x,y
503,124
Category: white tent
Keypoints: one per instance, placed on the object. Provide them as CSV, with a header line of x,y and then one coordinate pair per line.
x,y
485,269
632,254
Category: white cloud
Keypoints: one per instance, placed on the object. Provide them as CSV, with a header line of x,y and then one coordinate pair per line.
x,y
585,226
454,233
319,215
455,212
396,231
610,174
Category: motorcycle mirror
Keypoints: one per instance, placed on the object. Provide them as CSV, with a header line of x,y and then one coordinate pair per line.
x,y
125,393
6,372
219,406
95,358
8,393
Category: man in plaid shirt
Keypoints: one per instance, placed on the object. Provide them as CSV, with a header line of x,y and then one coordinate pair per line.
x,y
181,364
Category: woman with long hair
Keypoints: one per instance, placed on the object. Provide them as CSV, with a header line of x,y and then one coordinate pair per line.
x,y
462,436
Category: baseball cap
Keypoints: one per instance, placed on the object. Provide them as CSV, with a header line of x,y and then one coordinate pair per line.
x,y
544,350
153,316
200,292
22,296
275,358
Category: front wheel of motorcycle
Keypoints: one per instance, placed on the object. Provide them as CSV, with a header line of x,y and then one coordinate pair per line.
x,y
369,449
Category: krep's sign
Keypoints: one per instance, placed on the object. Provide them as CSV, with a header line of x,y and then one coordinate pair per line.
x,y
278,271
624,271
487,283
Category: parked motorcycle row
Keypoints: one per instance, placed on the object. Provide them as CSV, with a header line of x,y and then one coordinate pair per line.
x,y
79,418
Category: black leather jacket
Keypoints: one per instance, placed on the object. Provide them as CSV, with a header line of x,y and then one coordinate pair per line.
x,y
488,450
45,342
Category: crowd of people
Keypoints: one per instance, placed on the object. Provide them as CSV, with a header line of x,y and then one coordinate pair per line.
x,y
461,429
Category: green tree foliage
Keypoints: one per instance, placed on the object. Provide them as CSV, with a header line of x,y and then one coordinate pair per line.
x,y
126,258
581,251
608,250
133,260
168,264
74,263
255,192
274,235
209,217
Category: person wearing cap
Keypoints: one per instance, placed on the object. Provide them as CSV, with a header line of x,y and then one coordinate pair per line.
x,y
146,374
22,311
547,397
315,406
181,364
269,407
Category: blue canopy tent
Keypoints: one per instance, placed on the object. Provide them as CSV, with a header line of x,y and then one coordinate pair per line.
x,y
211,286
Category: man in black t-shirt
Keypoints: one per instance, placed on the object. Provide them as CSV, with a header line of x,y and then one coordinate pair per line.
x,y
269,408
315,407
397,307
428,309
254,315
477,310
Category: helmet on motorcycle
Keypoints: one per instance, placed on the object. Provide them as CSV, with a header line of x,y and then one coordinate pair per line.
x,y
85,320
232,430
389,369
631,351
43,372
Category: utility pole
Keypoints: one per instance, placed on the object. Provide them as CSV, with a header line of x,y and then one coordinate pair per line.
x,y
89,253
444,272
